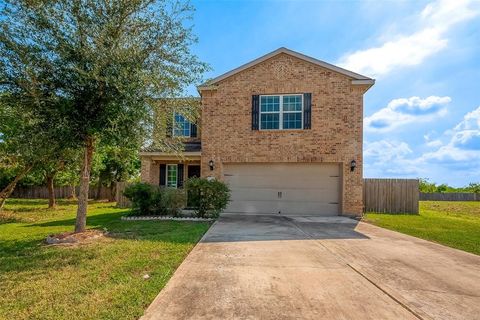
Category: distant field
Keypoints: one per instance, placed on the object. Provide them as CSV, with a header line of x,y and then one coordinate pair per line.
x,y
453,223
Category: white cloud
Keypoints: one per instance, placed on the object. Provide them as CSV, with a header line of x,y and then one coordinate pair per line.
x,y
464,143
402,111
434,143
456,159
385,150
436,19
388,158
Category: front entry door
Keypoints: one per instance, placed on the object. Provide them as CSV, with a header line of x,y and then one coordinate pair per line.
x,y
193,171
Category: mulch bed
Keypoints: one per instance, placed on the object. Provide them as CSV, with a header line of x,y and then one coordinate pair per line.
x,y
69,238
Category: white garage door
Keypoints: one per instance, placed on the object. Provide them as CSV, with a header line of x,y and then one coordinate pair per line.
x,y
286,188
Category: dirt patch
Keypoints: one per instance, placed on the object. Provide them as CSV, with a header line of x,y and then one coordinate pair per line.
x,y
70,238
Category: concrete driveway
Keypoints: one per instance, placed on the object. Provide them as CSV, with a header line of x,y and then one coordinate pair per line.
x,y
275,267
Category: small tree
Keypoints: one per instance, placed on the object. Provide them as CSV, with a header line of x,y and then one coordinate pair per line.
x,y
426,186
26,140
114,164
473,187
108,59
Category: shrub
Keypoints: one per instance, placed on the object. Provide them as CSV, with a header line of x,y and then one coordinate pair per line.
x,y
207,197
141,195
152,200
169,201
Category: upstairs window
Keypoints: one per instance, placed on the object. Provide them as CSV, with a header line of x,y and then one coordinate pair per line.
x,y
181,126
281,112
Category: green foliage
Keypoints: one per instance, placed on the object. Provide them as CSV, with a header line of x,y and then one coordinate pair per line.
x,y
430,187
89,72
473,187
426,186
168,201
113,164
152,200
108,60
142,196
208,197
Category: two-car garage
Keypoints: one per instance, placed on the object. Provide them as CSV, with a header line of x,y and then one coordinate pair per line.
x,y
285,188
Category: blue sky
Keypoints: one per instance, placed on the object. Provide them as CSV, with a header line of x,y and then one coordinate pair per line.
x,y
422,117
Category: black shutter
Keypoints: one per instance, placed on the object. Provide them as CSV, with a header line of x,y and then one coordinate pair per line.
x,y
180,175
255,113
307,111
193,130
163,169
169,124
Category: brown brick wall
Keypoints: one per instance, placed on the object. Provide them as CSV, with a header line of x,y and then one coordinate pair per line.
x,y
149,171
337,120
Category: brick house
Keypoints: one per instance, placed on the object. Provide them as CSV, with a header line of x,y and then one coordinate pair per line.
x,y
284,131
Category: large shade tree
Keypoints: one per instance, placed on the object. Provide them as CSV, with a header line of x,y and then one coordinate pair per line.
x,y
108,59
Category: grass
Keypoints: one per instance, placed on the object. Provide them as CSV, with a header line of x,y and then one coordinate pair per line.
x,y
452,223
99,280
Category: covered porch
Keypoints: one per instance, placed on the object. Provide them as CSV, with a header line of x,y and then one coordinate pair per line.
x,y
170,170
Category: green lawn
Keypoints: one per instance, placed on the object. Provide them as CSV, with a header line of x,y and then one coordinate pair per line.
x,y
100,280
452,223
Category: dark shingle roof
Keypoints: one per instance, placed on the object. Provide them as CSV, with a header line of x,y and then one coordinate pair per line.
x,y
189,146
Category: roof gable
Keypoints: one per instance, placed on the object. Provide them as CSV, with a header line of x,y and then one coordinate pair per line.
x,y
356,78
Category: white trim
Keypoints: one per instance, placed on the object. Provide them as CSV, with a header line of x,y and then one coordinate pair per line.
x,y
280,111
209,85
360,82
176,175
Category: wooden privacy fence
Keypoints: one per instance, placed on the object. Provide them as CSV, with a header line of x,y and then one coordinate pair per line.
x,y
122,201
391,195
458,196
41,192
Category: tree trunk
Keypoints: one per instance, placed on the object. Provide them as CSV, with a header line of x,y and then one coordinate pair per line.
x,y
99,188
51,191
81,221
113,192
7,191
73,194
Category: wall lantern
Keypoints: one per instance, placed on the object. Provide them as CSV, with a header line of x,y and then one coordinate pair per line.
x,y
211,164
353,165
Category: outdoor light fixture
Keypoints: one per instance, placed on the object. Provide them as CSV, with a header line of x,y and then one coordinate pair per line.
x,y
211,164
353,165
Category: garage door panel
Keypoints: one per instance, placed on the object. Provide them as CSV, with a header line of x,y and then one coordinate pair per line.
x,y
291,188
309,208
275,169
265,181
253,206
254,194
318,194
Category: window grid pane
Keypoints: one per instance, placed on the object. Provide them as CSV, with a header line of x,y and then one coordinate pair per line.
x,y
181,126
270,103
281,112
292,120
270,121
292,103
172,175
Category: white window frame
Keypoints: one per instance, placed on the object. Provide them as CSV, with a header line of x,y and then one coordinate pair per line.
x,y
175,123
176,176
280,112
